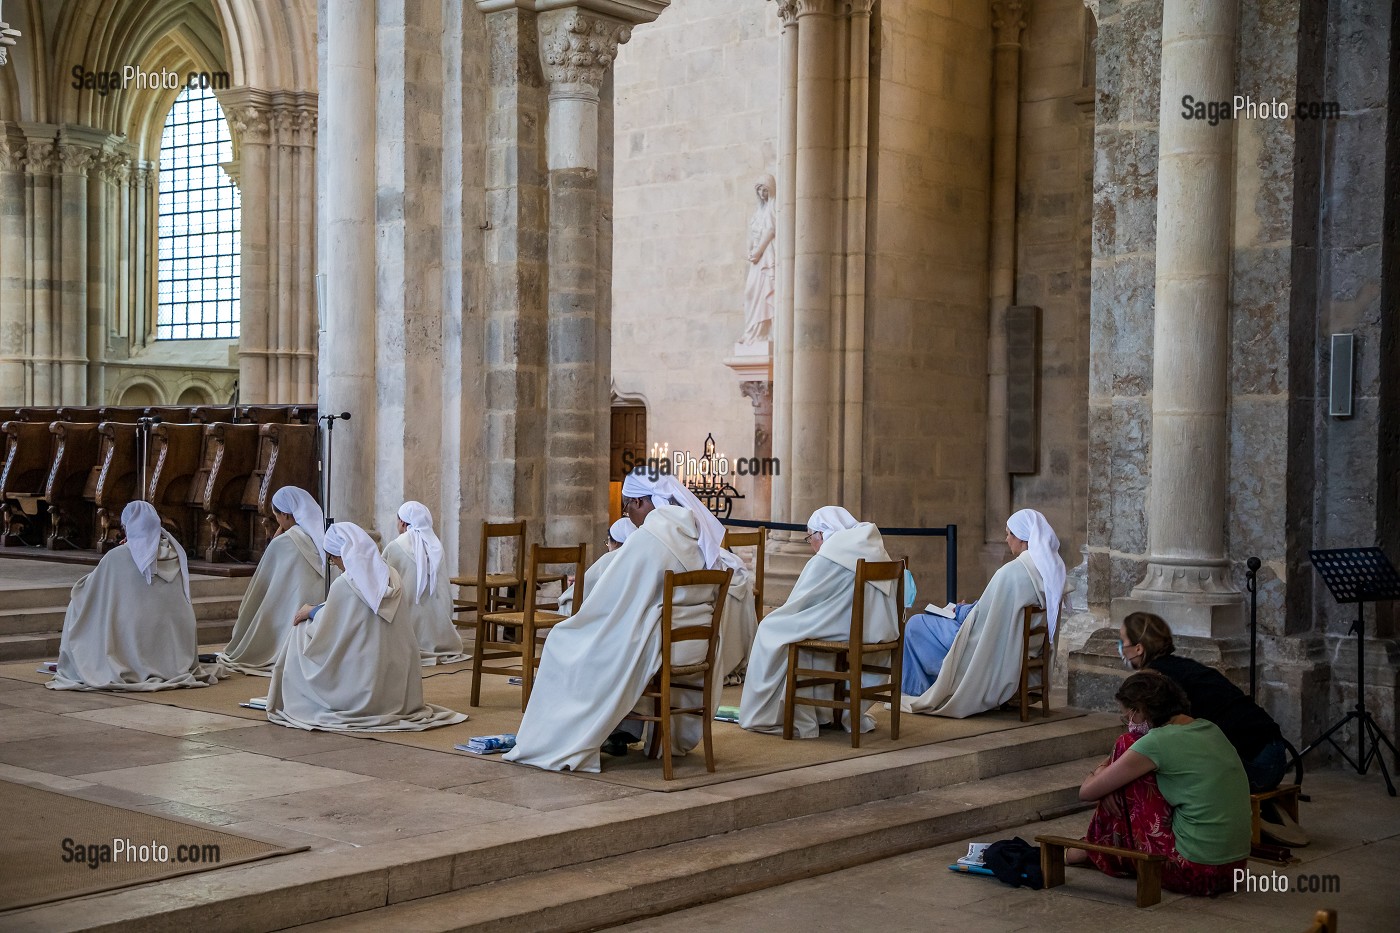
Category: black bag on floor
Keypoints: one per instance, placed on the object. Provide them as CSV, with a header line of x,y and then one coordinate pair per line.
x,y
1015,862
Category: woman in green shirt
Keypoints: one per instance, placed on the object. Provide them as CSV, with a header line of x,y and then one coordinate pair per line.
x,y
1174,786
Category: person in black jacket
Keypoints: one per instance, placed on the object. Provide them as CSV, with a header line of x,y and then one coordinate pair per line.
x,y
1145,641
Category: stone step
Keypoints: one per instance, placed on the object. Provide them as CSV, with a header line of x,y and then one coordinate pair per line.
x,y
215,615
49,595
316,886
653,881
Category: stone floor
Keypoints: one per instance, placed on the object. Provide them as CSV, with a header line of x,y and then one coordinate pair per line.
x,y
1354,825
284,786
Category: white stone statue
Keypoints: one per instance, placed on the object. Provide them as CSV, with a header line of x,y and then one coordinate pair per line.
x,y
758,293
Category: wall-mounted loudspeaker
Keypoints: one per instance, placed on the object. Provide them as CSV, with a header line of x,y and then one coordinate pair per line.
x,y
1339,385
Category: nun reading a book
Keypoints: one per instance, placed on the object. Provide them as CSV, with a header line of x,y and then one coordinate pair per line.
x,y
971,663
351,664
130,624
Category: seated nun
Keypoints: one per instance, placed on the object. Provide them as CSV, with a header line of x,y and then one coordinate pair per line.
x,y
819,608
288,577
617,534
980,667
640,494
416,555
130,624
596,663
350,664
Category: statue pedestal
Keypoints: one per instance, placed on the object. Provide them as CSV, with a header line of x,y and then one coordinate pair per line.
x,y
752,364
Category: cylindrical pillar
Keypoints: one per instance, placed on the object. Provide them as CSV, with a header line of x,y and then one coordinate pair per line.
x,y
347,352
810,469
852,447
13,281
1186,506
73,274
783,286
576,49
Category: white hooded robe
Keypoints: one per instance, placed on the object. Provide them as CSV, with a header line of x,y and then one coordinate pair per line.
x,y
288,577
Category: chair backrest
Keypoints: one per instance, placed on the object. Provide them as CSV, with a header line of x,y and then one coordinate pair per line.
x,y
555,556
707,632
492,530
756,539
1031,632
875,572
1324,921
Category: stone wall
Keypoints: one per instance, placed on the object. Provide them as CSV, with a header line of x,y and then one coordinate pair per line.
x,y
926,318
1055,190
696,122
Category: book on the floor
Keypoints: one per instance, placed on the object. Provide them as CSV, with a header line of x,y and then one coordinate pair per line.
x,y
976,855
949,611
48,667
255,703
972,869
727,714
515,682
488,744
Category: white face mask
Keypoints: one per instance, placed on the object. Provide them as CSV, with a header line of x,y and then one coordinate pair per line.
x,y
1126,663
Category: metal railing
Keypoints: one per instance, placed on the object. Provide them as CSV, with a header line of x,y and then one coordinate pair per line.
x,y
950,532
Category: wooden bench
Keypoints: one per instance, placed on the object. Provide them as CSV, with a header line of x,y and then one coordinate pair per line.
x,y
1149,867
1285,797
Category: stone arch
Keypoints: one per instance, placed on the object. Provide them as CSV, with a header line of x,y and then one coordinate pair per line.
x,y
138,391
195,394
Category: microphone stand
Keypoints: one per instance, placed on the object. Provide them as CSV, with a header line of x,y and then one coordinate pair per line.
x,y
146,423
330,421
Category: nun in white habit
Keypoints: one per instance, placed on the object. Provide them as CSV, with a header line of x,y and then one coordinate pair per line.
x,y
289,576
130,624
739,623
597,662
617,535
819,607
416,554
983,667
350,664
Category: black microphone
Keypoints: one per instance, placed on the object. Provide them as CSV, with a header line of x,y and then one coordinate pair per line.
x,y
1253,563
345,416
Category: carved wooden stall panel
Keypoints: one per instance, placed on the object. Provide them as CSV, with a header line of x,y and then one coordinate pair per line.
x,y
70,515
28,448
286,457
113,481
229,459
174,460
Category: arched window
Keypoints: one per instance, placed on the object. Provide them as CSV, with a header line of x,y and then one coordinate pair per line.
x,y
197,272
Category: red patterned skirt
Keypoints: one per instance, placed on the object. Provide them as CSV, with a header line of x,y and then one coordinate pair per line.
x,y
1144,824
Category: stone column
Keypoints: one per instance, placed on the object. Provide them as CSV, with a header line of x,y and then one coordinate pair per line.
x,y
1008,20
143,243
786,233
1187,580
71,345
516,247
250,120
576,48
813,481
760,393
13,280
347,352
852,339
40,167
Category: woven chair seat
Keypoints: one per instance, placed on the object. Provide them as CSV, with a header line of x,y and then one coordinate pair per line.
x,y
518,618
846,646
493,580
700,668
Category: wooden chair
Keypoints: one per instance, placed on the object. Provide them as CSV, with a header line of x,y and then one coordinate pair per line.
x,y
1027,695
1285,797
756,539
529,625
659,690
488,595
1149,867
1324,921
850,659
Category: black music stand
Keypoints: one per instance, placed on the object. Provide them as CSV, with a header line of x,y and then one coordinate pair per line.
x,y
1358,575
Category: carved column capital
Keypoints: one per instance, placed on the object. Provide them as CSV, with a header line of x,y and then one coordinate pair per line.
x,y
74,159
12,154
577,49
41,157
142,174
1093,7
1008,20
759,393
787,13
249,114
814,8
859,7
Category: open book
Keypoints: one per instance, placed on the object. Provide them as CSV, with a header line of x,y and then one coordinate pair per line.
x,y
949,611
